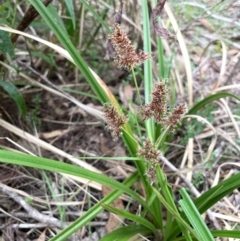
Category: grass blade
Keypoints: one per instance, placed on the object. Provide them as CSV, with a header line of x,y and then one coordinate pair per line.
x,y
13,92
92,212
194,217
209,100
125,233
70,8
65,41
148,78
130,216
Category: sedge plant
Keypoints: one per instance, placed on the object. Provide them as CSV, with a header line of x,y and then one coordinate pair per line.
x,y
161,217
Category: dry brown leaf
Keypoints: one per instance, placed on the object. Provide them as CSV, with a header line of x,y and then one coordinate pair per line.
x,y
105,148
113,221
126,94
233,52
207,25
42,236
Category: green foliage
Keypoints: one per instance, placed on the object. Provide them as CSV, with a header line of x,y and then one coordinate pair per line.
x,y
236,111
193,127
55,18
198,179
71,13
6,12
125,233
6,47
13,93
28,200
191,12
194,217
35,112
49,58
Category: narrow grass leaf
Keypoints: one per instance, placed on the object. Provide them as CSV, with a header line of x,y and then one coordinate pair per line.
x,y
50,165
70,8
65,41
194,217
96,32
49,58
92,212
148,77
61,209
215,194
99,19
181,223
125,233
138,219
166,190
78,92
160,54
132,145
13,93
209,100
211,197
97,86
55,17
154,204
226,234
6,47
167,193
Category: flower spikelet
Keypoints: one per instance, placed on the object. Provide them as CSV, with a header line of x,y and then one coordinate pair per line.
x,y
115,120
176,116
126,55
151,154
151,174
157,108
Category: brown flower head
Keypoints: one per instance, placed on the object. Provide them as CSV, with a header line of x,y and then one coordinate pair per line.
x,y
175,117
151,175
157,108
115,120
149,152
126,55
151,155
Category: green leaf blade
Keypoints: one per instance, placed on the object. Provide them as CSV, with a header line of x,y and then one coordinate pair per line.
x,y
13,92
194,217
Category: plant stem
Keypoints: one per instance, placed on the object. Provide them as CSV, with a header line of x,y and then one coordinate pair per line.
x,y
137,89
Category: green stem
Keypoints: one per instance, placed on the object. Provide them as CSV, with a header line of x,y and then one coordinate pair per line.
x,y
136,85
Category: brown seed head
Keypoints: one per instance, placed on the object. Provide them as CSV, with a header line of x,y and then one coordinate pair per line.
x,y
149,152
114,119
126,55
176,116
157,107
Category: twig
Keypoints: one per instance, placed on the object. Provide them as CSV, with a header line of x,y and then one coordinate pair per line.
x,y
228,20
28,18
98,114
33,213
